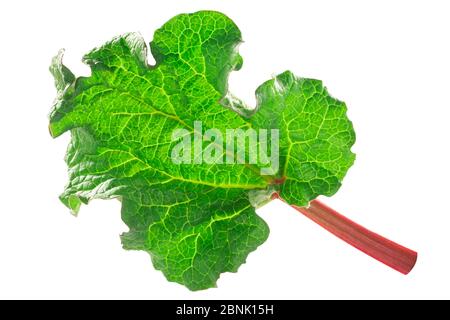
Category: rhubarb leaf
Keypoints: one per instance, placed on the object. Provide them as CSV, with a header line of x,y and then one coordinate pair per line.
x,y
315,136
193,235
196,220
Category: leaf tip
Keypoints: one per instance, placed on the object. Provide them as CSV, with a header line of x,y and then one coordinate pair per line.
x,y
54,129
62,75
73,203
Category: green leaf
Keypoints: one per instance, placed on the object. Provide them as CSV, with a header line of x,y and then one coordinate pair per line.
x,y
196,220
315,136
192,235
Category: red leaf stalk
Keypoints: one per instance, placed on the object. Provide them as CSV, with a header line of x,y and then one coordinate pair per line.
x,y
384,250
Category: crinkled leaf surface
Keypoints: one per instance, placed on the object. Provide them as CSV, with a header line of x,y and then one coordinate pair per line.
x,y
195,220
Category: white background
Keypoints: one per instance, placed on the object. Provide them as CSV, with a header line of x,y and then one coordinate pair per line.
x,y
389,60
